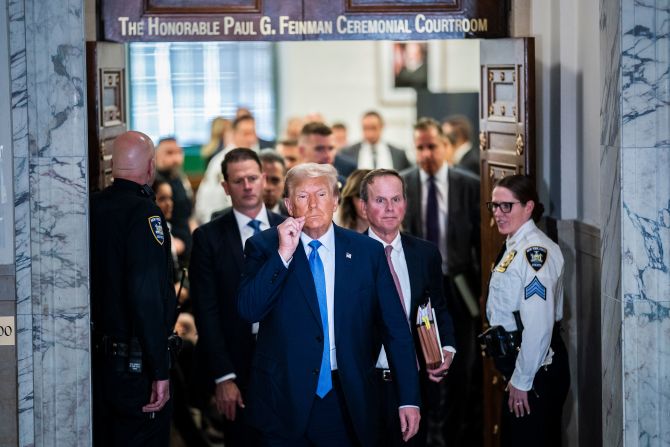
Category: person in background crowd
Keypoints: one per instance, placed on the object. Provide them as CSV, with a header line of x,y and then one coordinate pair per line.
x,y
170,166
316,146
289,150
320,293
339,135
352,214
458,130
443,208
416,264
528,278
275,173
293,128
221,135
163,192
226,342
133,303
210,197
373,152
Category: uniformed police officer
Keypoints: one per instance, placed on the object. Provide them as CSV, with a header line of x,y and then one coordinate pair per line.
x,y
528,278
133,303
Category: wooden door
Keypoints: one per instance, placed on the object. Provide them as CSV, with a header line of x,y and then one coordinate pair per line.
x,y
106,91
506,147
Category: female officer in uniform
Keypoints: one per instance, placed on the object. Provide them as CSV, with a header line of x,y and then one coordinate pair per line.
x,y
528,278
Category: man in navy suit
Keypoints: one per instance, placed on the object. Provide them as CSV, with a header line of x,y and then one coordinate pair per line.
x,y
443,207
324,297
226,341
416,265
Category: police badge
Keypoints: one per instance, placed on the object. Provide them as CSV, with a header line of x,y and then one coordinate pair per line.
x,y
536,257
157,229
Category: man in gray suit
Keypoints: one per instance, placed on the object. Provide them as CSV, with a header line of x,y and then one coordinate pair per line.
x,y
443,207
372,152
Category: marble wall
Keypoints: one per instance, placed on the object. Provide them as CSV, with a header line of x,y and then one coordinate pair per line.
x,y
635,185
51,226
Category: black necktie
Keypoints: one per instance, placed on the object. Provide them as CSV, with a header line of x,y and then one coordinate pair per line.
x,y
500,253
432,224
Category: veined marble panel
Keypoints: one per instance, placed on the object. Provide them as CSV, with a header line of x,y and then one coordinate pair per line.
x,y
646,291
645,75
56,78
610,72
61,345
49,136
611,304
59,235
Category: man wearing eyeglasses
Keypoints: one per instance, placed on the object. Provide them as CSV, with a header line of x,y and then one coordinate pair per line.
x,y
443,207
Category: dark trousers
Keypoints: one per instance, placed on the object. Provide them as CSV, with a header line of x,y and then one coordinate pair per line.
x,y
329,424
390,425
239,433
550,388
118,420
454,411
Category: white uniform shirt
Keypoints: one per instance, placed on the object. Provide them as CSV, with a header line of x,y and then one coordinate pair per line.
x,y
532,283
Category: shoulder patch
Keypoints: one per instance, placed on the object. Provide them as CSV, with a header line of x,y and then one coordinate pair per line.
x,y
157,229
536,257
502,267
535,288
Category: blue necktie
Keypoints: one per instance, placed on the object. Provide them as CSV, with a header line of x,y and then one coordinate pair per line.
x,y
432,210
316,266
256,225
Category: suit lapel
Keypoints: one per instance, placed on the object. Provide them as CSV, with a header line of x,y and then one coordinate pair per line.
x,y
233,237
414,197
343,274
300,266
414,271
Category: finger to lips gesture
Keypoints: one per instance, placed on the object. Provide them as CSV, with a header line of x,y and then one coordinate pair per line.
x,y
289,236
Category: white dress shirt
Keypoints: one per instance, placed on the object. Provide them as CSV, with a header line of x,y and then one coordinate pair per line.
x,y
383,155
400,267
245,233
442,186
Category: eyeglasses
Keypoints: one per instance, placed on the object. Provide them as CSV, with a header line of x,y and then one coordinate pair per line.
x,y
505,207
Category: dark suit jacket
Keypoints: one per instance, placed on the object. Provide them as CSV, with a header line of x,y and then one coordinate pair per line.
x,y
470,161
463,239
225,339
344,165
290,341
399,157
424,266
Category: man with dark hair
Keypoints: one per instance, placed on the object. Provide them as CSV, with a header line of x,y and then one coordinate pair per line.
x,y
416,269
459,131
443,207
316,146
169,165
373,152
275,173
339,135
226,342
210,198
288,149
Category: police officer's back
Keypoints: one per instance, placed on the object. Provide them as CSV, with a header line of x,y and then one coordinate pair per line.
x,y
133,303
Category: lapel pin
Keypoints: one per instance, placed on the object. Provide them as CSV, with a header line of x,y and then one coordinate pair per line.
x,y
348,255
